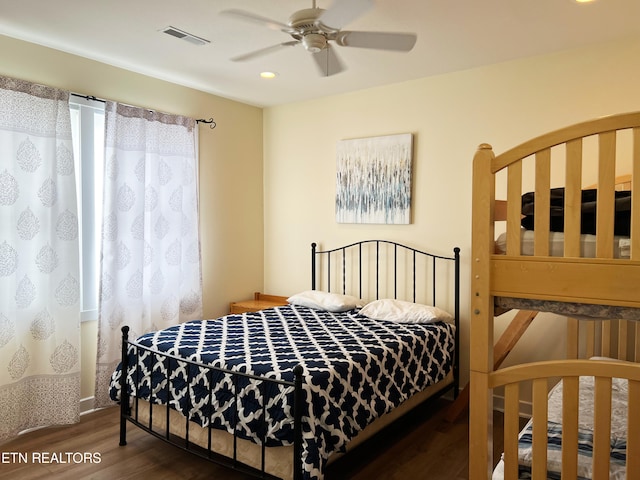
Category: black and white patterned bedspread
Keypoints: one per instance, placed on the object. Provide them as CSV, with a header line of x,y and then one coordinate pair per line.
x,y
355,370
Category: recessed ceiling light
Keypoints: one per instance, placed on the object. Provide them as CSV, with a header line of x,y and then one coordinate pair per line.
x,y
268,75
584,1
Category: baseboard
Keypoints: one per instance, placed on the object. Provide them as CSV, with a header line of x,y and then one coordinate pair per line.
x,y
87,405
449,395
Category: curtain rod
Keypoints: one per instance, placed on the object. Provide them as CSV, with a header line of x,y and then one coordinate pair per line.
x,y
212,124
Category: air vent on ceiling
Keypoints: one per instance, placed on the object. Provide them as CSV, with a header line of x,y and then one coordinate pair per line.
x,y
187,37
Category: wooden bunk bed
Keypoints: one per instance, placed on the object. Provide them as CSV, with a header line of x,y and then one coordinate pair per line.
x,y
602,286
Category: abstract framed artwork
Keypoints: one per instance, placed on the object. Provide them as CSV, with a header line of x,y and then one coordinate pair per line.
x,y
373,179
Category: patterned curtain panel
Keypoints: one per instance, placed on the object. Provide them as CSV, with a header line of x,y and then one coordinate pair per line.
x,y
150,247
39,264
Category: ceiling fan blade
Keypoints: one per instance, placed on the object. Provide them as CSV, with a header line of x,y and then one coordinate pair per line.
x,y
258,19
264,51
328,62
401,42
342,12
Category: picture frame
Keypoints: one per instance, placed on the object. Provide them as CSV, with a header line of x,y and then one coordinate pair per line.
x,y
373,179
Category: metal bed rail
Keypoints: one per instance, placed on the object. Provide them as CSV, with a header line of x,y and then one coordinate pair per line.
x,y
127,415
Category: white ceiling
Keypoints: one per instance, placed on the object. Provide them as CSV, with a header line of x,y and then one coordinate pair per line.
x,y
452,35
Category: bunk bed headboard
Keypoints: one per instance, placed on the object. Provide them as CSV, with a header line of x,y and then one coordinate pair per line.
x,y
509,165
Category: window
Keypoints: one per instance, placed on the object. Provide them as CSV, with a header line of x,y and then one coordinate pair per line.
x,y
87,129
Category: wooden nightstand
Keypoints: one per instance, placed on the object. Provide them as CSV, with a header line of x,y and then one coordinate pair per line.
x,y
260,302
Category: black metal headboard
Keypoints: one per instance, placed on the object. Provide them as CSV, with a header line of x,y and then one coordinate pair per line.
x,y
375,257
377,252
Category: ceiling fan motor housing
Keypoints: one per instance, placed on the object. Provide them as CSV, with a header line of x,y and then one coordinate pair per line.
x,y
305,19
314,42
310,30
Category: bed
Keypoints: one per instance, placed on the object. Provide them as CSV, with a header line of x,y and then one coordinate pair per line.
x,y
590,394
280,392
593,287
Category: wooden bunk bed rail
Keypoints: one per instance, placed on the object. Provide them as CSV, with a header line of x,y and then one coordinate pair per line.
x,y
618,339
594,339
513,274
578,131
540,149
563,158
528,277
569,371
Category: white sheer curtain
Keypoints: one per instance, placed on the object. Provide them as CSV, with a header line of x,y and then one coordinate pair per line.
x,y
151,275
39,264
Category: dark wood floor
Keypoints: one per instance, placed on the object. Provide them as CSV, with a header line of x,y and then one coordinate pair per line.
x,y
421,445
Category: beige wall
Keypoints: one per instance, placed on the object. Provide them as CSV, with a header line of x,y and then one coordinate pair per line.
x,y
449,115
230,168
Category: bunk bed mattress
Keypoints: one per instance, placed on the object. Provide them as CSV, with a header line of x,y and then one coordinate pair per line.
x,y
356,369
585,434
581,311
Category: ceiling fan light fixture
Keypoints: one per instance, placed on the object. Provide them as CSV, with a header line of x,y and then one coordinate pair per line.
x,y
314,42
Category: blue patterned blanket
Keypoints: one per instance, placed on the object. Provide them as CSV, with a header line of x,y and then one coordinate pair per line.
x,y
355,370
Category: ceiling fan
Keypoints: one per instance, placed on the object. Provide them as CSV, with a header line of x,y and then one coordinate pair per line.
x,y
316,29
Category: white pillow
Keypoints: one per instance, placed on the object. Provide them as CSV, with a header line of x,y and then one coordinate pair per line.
x,y
404,312
331,302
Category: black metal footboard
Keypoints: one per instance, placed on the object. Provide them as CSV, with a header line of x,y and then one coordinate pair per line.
x,y
129,411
